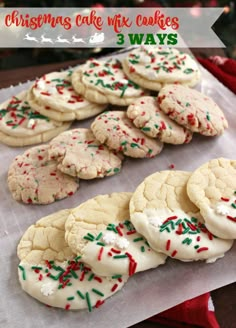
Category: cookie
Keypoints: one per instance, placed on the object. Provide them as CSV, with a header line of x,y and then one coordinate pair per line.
x,y
154,67
147,116
80,154
104,82
34,179
100,231
192,109
53,96
161,210
212,187
20,125
114,129
52,274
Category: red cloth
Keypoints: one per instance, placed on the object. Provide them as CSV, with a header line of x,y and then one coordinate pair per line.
x,y
223,69
197,312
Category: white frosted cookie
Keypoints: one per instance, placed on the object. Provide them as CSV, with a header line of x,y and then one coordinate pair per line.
x,y
100,231
153,67
20,125
192,109
212,187
104,82
34,179
52,274
146,115
53,95
161,210
114,129
78,153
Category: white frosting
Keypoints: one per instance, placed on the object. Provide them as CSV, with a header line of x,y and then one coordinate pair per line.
x,y
41,84
108,262
31,123
222,209
179,235
47,289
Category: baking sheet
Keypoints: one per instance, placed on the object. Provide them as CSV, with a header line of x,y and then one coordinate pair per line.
x,y
146,293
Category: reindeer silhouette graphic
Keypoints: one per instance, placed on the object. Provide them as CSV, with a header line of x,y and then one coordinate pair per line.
x,y
76,40
46,40
30,38
60,40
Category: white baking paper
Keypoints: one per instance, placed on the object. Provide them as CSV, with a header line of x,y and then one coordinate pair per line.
x,y
146,293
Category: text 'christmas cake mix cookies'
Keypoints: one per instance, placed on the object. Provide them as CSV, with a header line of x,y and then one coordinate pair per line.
x,y
212,187
100,231
116,131
146,115
192,109
51,273
78,153
20,125
153,67
105,82
34,179
53,95
161,210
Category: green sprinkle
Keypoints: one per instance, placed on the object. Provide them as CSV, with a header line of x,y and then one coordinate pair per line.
x,y
80,294
187,241
188,70
178,222
148,66
69,284
146,129
99,236
71,298
88,302
116,170
88,238
100,244
186,231
60,286
97,292
123,90
133,61
23,272
195,232
90,235
134,145
165,228
124,143
119,256
58,268
233,205
142,249
56,277
117,276
36,268
208,117
74,274
196,247
193,219
46,270
137,239
94,146
146,242
187,104
77,258
91,277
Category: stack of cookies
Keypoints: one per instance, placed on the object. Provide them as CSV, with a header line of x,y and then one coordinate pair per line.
x,y
75,259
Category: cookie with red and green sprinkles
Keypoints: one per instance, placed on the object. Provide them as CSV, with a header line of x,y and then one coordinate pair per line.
x,y
100,231
115,129
212,187
20,125
146,115
54,96
51,273
104,81
161,210
80,154
153,67
33,178
192,109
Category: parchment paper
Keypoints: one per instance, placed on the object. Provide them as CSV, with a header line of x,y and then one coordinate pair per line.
x,y
146,293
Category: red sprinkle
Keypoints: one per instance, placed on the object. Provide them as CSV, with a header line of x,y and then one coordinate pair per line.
x,y
198,238
70,193
100,253
114,287
67,307
174,253
45,93
131,232
98,279
109,254
119,231
40,157
231,218
225,199
82,276
117,251
170,218
40,277
99,303
202,249
168,244
171,166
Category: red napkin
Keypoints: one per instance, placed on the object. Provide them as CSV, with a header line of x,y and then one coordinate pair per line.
x,y
197,312
224,69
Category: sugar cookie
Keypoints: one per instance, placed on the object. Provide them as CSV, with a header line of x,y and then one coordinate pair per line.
x,y
52,274
212,187
115,130
100,231
103,81
147,116
79,154
153,67
192,109
34,179
161,210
